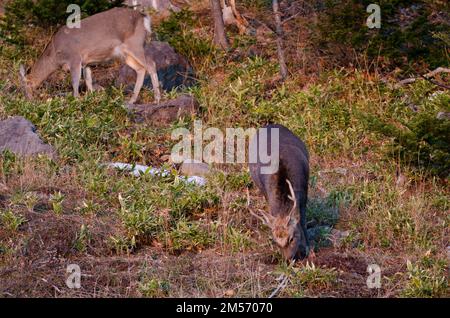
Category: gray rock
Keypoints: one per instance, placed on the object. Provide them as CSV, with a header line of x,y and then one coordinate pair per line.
x,y
165,112
194,168
443,115
19,136
173,69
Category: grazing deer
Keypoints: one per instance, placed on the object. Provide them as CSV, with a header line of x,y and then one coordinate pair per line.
x,y
116,33
285,190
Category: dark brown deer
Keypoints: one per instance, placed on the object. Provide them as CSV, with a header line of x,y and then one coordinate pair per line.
x,y
116,33
286,190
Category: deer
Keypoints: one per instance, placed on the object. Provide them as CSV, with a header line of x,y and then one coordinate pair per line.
x,y
118,33
286,189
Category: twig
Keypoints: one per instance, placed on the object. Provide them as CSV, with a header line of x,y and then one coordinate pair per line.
x,y
281,286
427,77
437,71
291,17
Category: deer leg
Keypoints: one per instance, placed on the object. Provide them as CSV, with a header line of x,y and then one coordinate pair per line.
x,y
75,72
88,78
140,76
303,225
150,66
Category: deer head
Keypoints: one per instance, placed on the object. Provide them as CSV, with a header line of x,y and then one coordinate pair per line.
x,y
25,83
286,230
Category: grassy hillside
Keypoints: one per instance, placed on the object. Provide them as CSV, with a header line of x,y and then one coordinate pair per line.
x,y
159,237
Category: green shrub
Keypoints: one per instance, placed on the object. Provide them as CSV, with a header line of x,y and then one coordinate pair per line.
x,y
44,13
177,31
409,31
423,141
426,278
190,236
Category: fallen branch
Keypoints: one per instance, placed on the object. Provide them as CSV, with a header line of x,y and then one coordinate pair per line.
x,y
437,71
427,77
284,280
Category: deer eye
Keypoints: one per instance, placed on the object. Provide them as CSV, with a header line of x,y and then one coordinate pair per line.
x,y
291,239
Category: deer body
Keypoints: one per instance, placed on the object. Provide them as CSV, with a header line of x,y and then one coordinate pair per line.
x,y
118,33
286,192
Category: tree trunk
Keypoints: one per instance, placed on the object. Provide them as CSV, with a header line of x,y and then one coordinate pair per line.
x,y
280,34
220,38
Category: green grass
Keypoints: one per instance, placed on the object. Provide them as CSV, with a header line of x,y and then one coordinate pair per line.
x,y
309,277
426,279
10,220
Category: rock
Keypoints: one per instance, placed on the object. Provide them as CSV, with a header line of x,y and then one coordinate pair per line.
x,y
194,168
138,170
173,69
19,136
443,115
165,112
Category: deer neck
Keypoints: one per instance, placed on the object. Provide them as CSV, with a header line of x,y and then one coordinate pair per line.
x,y
42,69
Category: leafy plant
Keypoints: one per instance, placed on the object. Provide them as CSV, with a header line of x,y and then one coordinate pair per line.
x,y
154,288
44,13
423,141
177,31
406,33
56,200
190,236
425,281
10,220
82,239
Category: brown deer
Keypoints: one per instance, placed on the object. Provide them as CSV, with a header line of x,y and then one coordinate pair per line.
x,y
286,190
116,33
